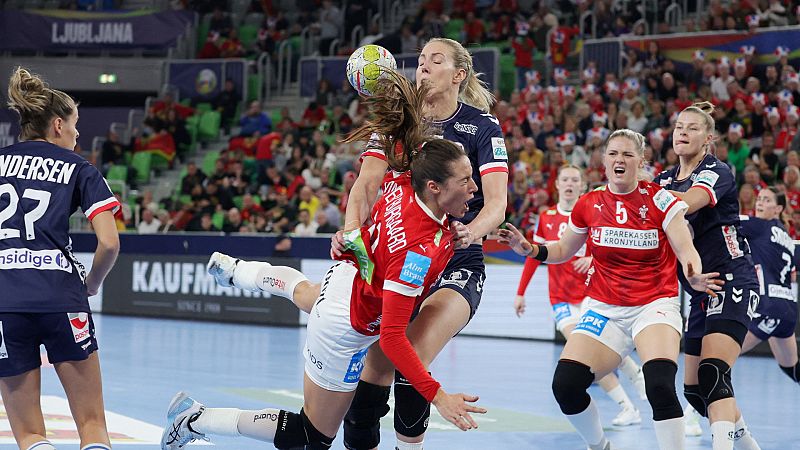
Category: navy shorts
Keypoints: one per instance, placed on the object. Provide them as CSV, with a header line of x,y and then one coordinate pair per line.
x,y
66,336
778,317
465,274
729,313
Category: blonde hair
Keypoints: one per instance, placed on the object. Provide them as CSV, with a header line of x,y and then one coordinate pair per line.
x,y
637,139
704,109
472,91
36,103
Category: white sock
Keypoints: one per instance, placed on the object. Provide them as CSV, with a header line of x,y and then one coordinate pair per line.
x,y
743,439
618,395
722,435
588,425
629,367
260,425
260,276
408,445
96,446
218,421
42,445
669,433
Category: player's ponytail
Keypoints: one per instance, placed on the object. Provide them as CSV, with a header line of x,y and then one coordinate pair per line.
x,y
396,118
36,103
472,91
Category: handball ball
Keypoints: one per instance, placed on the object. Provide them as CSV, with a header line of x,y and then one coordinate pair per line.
x,y
367,65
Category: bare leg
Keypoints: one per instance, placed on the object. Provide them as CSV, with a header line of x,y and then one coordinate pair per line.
x,y
21,399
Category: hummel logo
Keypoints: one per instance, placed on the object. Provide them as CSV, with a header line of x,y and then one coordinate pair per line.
x,y
712,165
599,206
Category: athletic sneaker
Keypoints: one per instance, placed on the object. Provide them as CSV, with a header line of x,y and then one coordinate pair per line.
x,y
606,445
182,410
692,422
221,267
628,416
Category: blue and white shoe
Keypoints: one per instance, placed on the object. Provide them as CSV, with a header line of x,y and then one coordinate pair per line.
x,y
182,410
221,267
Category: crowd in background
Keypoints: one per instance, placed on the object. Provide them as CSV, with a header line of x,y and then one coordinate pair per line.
x,y
291,175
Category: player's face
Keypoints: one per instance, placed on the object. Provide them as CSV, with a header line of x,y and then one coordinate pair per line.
x,y
569,184
767,207
690,134
436,68
458,189
622,161
67,131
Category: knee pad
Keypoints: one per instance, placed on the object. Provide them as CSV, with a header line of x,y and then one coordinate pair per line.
x,y
695,398
570,381
362,427
295,431
792,372
714,376
411,410
659,383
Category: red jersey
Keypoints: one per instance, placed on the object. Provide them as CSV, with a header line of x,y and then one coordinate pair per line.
x,y
410,248
565,284
633,262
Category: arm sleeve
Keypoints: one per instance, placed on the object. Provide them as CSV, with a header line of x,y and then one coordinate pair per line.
x,y
715,181
491,147
397,311
373,148
95,195
527,273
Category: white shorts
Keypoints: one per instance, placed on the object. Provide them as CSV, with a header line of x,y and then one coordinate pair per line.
x,y
566,314
617,326
334,351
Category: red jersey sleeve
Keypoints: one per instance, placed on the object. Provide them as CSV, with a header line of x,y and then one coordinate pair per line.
x,y
668,206
405,281
579,219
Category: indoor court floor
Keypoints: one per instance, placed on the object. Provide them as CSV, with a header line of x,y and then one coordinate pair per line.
x,y
146,361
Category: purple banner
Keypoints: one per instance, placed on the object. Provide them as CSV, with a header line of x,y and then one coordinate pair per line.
x,y
9,127
202,80
26,30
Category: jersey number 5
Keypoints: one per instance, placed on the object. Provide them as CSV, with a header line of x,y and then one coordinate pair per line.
x,y
622,213
30,217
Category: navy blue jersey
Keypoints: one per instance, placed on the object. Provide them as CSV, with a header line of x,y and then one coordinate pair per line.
x,y
480,135
715,227
41,185
773,255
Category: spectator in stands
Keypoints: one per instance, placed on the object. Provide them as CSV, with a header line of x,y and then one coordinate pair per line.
x,y
409,42
524,49
331,211
210,49
636,119
254,121
194,177
325,94
220,22
747,200
219,196
313,115
166,221
287,124
176,127
233,221
205,224
305,226
149,224
226,102
308,200
323,226
283,215
250,208
330,23
231,46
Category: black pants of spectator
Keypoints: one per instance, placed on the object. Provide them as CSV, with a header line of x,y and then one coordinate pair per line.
x,y
324,46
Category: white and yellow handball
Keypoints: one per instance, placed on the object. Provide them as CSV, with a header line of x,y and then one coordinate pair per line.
x,y
367,65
